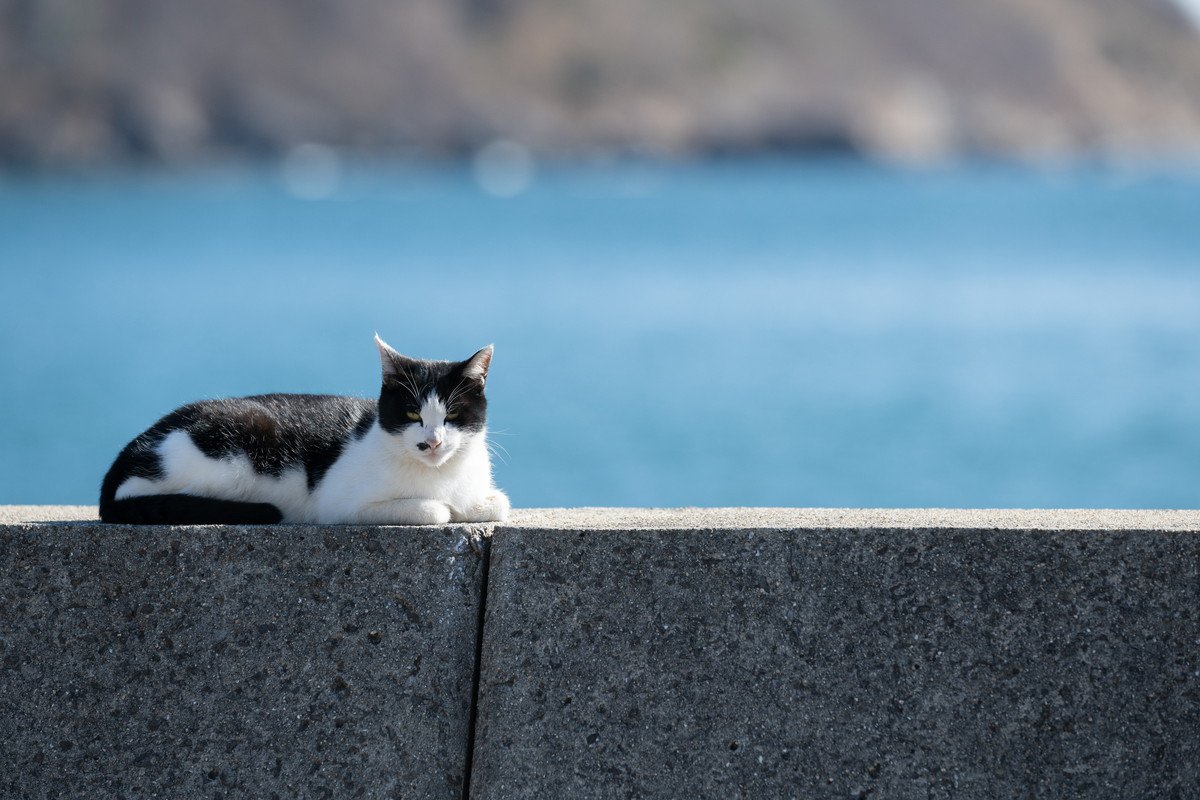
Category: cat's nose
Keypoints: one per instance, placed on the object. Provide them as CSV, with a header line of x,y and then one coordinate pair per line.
x,y
430,444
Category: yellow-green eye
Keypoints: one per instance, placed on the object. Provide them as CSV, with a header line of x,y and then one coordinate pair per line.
x,y
452,416
414,416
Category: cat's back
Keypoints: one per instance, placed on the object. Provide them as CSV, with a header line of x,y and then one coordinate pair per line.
x,y
285,418
286,424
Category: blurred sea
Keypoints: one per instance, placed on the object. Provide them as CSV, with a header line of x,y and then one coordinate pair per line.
x,y
741,332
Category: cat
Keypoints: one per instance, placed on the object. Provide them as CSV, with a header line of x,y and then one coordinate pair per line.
x,y
416,456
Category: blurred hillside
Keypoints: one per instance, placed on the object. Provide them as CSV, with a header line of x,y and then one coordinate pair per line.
x,y
94,81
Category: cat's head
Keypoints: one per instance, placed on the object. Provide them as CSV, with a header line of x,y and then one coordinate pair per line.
x,y
433,408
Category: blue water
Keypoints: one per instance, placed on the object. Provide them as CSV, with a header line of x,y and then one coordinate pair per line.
x,y
736,333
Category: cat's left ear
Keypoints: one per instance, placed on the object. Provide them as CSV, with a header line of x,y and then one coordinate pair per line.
x,y
476,367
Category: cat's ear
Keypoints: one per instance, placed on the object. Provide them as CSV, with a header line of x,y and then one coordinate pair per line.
x,y
393,364
476,367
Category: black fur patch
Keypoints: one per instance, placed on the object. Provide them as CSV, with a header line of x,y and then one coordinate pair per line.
x,y
365,423
186,509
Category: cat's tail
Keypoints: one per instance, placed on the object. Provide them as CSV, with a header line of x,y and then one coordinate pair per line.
x,y
186,509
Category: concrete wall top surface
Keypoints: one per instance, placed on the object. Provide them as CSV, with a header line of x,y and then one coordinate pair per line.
x,y
772,518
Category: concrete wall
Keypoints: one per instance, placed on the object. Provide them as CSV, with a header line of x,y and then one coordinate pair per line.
x,y
284,662
624,653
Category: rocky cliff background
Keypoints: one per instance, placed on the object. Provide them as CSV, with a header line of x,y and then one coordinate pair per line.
x,y
87,82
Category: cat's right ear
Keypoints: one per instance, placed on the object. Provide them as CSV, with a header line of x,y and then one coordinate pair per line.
x,y
393,364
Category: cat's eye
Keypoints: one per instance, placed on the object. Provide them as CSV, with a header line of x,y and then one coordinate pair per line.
x,y
452,416
414,416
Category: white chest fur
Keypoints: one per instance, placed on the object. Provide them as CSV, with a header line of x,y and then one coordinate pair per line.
x,y
377,469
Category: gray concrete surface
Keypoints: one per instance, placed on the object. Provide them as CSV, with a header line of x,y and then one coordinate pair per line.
x,y
258,663
867,657
727,519
29,515
650,519
804,653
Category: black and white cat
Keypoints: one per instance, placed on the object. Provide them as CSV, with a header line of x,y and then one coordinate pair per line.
x,y
416,456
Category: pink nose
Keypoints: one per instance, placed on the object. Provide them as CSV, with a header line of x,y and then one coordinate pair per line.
x,y
430,445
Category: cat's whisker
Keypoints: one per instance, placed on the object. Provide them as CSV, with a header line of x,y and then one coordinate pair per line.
x,y
409,382
458,390
502,456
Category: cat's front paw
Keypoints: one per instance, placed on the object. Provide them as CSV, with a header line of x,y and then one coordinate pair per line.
x,y
422,512
493,507
499,505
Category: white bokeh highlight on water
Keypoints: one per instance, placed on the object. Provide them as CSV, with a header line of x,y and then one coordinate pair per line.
x,y
1192,9
503,168
311,171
